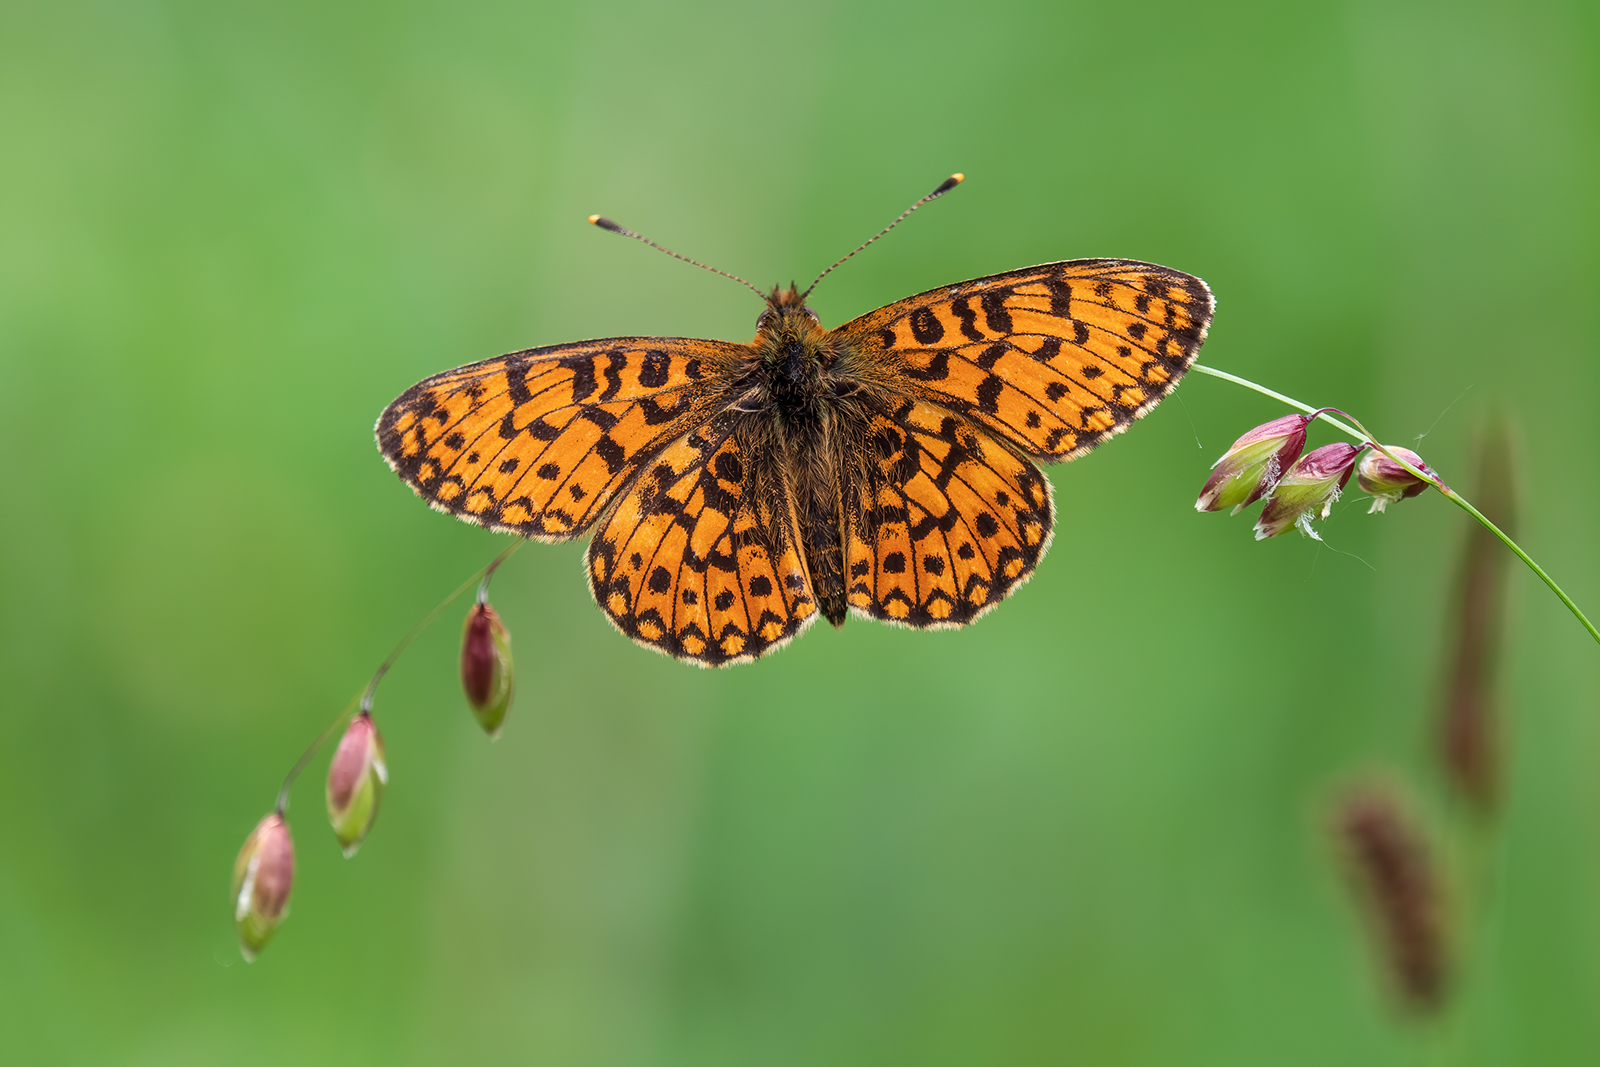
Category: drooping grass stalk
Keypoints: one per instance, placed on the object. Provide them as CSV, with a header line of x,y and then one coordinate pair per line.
x,y
1361,433
364,701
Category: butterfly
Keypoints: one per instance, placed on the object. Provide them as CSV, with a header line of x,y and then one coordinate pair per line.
x,y
738,491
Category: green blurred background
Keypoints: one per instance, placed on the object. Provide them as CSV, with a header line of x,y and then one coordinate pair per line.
x,y
1088,830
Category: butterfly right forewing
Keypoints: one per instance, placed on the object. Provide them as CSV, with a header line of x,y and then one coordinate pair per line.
x,y
1054,358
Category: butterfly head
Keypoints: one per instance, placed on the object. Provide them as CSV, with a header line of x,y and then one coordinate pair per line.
x,y
786,313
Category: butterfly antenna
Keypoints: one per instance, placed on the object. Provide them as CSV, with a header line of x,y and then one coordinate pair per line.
x,y
944,187
606,224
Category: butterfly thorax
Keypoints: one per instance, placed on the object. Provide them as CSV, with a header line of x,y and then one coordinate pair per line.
x,y
794,359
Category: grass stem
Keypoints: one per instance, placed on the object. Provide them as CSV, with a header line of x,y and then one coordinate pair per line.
x,y
1360,433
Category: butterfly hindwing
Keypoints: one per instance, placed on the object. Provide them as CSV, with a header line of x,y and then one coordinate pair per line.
x,y
537,442
686,562
951,520
1054,358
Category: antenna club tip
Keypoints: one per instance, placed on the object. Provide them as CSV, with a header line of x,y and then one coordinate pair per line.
x,y
594,220
957,178
605,224
948,184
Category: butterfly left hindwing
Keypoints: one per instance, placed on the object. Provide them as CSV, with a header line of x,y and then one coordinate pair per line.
x,y
685,562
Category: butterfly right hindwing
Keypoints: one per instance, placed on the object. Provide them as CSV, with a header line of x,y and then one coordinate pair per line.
x,y
952,520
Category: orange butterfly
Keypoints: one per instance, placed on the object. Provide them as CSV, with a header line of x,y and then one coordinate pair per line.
x,y
737,490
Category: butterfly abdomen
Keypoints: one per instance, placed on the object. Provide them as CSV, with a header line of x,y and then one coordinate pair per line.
x,y
815,477
825,560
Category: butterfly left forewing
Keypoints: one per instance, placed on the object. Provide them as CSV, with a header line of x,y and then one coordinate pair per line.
x,y
950,520
538,442
1054,358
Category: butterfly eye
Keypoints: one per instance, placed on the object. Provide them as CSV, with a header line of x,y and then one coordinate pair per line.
x,y
763,320
811,314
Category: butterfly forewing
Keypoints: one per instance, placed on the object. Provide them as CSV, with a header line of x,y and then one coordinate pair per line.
x,y
1054,358
953,520
537,442
686,561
